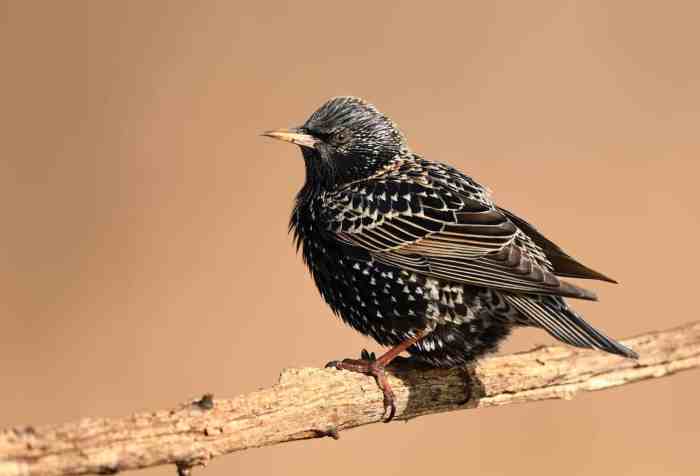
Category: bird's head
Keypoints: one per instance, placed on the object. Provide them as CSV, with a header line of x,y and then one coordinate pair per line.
x,y
346,139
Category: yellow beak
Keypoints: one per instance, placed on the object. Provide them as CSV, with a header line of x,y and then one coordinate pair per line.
x,y
293,136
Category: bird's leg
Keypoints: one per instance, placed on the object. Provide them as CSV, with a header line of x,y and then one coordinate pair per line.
x,y
369,365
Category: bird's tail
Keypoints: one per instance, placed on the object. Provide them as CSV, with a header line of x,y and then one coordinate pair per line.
x,y
553,315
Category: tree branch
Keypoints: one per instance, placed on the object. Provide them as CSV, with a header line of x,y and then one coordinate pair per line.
x,y
312,403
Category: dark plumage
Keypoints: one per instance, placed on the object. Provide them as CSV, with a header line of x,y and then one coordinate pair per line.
x,y
416,254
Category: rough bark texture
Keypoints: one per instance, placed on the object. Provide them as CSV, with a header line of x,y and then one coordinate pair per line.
x,y
312,403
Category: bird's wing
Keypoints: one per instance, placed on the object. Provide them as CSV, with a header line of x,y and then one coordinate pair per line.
x,y
431,219
562,263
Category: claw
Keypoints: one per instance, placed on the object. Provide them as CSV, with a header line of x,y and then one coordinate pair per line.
x,y
389,404
366,355
369,365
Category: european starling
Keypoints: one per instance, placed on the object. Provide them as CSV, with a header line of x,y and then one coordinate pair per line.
x,y
417,255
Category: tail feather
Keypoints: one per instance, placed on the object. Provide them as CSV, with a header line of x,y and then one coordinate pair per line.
x,y
553,315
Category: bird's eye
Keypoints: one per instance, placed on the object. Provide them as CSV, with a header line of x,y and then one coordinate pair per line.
x,y
341,136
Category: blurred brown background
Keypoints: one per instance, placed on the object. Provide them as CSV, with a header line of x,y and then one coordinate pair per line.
x,y
144,257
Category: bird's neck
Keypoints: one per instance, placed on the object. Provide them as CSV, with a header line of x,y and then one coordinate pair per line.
x,y
320,175
301,221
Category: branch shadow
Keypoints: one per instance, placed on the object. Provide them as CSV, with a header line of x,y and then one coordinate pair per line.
x,y
433,390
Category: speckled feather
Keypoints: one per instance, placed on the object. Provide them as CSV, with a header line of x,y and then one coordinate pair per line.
x,y
398,244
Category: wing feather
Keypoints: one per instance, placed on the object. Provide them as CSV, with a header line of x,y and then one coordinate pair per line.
x,y
431,219
562,263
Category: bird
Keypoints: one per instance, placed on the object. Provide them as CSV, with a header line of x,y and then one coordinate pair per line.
x,y
417,255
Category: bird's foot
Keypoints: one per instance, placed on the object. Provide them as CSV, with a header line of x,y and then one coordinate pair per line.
x,y
369,365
